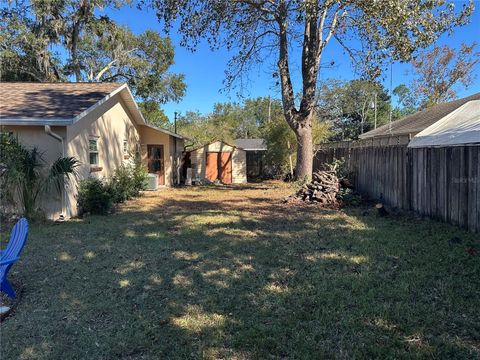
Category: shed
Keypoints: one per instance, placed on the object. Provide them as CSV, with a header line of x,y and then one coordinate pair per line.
x,y
219,160
255,149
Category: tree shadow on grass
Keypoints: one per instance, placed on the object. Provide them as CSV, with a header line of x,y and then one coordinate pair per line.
x,y
195,277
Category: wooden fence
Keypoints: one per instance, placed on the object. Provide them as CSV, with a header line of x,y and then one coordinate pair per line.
x,y
442,183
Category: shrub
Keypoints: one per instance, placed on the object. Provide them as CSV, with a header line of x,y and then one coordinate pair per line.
x,y
97,197
349,197
25,175
94,197
140,177
127,181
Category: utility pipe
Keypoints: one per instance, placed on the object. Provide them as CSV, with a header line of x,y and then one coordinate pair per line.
x,y
49,131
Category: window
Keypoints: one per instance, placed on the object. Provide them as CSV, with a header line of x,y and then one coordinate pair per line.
x,y
137,152
125,147
93,150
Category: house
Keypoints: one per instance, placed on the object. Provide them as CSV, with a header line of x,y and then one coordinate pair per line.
x,y
403,130
99,124
220,161
255,150
460,127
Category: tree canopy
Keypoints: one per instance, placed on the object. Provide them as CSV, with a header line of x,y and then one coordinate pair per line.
x,y
349,107
35,34
440,71
369,31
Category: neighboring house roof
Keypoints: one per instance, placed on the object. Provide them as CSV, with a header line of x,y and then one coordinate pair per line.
x,y
61,104
419,121
251,144
460,127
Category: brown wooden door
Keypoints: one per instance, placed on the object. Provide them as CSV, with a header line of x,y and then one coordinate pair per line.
x,y
219,167
156,162
211,167
225,169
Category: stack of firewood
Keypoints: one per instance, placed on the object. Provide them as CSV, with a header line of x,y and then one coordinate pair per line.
x,y
322,189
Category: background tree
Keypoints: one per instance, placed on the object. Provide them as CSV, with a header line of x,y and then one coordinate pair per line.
x,y
349,107
154,115
441,70
408,102
387,29
108,52
25,53
98,48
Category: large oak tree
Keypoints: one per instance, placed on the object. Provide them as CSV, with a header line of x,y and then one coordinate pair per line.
x,y
59,40
370,31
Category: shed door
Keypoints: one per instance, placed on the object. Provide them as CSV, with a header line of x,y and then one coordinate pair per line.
x,y
219,167
156,162
226,168
211,168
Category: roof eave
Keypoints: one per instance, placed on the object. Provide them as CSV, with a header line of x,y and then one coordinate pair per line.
x,y
168,132
36,121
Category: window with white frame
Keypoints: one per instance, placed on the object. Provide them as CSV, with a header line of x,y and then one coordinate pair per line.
x,y
93,150
125,147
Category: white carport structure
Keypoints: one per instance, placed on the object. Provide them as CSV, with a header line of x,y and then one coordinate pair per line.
x,y
460,127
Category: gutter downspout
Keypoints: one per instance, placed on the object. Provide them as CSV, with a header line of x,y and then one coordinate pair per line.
x,y
49,131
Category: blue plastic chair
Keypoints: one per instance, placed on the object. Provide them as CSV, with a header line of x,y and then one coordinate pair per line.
x,y
11,254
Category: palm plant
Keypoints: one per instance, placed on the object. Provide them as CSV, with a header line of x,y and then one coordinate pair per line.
x,y
27,174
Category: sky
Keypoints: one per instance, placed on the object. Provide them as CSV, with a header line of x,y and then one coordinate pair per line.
x,y
204,69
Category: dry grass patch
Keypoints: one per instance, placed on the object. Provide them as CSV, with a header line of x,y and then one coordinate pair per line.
x,y
234,273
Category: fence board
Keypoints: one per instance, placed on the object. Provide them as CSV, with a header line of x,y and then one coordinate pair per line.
x,y
442,183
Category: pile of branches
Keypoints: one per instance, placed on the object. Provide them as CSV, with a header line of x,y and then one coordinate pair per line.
x,y
323,188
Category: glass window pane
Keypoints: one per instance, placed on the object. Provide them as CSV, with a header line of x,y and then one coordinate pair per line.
x,y
92,145
93,158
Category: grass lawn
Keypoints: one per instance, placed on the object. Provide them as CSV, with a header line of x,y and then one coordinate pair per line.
x,y
235,274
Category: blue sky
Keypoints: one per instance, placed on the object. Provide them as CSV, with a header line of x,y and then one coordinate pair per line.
x,y
204,69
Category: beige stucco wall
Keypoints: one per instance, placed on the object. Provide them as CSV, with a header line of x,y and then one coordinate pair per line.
x,y
239,161
151,136
111,123
35,136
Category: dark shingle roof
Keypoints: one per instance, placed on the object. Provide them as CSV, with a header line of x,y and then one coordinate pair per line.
x,y
415,123
50,100
251,144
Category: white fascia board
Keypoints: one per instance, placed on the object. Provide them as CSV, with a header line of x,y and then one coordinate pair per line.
x,y
135,109
36,121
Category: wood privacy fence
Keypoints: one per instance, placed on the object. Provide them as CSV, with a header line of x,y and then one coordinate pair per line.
x,y
442,183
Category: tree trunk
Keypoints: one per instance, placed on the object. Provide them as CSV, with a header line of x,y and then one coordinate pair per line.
x,y
304,166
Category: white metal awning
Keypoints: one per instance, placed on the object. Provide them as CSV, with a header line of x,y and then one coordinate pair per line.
x,y
460,127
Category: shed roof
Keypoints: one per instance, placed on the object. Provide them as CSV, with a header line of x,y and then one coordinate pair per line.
x,y
419,121
251,144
